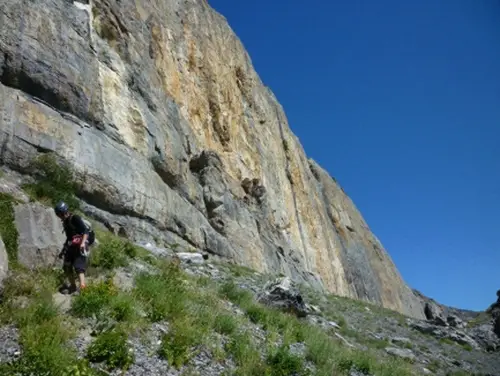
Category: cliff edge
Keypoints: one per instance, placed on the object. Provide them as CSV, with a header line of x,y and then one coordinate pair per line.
x,y
173,137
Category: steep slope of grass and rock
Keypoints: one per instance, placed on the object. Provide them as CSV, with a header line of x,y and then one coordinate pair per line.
x,y
163,309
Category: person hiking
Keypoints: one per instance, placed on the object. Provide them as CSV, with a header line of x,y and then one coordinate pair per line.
x,y
79,237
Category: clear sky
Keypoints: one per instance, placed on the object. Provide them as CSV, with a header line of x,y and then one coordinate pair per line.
x,y
400,102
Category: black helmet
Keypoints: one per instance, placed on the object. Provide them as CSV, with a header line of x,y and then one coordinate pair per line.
x,y
61,208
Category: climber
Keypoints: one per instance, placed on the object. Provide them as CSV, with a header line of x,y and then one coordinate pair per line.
x,y
79,237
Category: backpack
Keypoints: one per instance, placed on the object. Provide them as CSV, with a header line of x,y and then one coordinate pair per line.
x,y
87,224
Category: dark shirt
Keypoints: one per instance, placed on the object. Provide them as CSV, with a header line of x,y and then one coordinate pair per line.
x,y
74,225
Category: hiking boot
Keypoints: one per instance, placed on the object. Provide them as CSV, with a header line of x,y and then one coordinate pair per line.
x,y
68,289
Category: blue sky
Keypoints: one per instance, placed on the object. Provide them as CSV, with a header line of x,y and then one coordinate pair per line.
x,y
400,101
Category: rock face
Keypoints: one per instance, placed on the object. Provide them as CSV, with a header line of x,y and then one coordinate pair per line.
x,y
171,134
40,235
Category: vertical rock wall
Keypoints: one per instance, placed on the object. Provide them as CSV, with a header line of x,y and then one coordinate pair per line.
x,y
171,132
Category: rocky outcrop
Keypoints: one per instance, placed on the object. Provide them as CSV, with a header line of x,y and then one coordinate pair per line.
x,y
283,295
172,135
41,235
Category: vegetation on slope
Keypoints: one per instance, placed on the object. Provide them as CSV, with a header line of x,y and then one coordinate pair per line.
x,y
198,316
202,315
8,230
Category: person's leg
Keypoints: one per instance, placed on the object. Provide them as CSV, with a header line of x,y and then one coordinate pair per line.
x,y
80,265
69,282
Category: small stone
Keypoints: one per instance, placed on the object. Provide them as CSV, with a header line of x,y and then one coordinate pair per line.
x,y
334,324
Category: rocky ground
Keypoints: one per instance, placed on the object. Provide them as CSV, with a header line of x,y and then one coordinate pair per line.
x,y
422,347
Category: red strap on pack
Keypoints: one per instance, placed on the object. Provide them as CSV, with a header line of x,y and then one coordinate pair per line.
x,y
76,240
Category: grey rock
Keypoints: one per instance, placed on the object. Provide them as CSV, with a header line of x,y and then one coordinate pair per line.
x,y
62,302
191,258
447,333
434,313
10,348
401,353
282,294
10,185
455,322
313,309
400,340
4,262
40,235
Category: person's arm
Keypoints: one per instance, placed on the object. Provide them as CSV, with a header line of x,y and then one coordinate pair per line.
x,y
80,228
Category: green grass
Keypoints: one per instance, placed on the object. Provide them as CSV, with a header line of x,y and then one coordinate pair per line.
x,y
328,354
8,230
447,341
43,338
480,319
54,181
177,346
434,365
164,295
225,323
467,347
114,252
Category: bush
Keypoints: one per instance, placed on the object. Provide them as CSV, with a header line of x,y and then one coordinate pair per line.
x,y
178,343
8,230
109,254
242,349
225,324
282,363
93,299
54,181
111,347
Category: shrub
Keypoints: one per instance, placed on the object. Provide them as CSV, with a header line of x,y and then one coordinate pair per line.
x,y
225,324
54,181
111,347
241,347
109,254
8,230
178,343
282,363
93,299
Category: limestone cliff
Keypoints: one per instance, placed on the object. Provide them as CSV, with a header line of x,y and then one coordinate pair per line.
x,y
172,135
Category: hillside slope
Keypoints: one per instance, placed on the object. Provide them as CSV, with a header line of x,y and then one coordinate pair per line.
x,y
174,138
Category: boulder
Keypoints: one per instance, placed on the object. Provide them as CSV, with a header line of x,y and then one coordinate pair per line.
x,y
282,294
455,322
41,235
4,262
434,313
